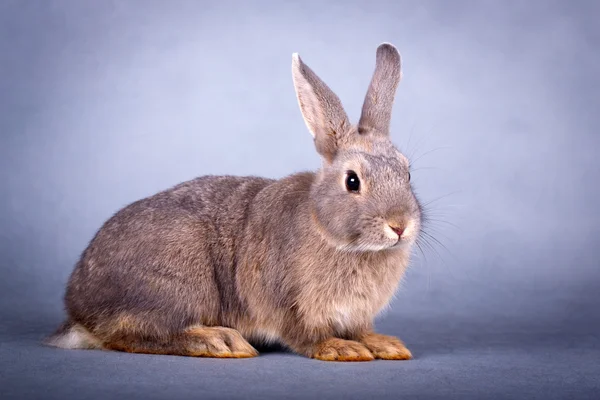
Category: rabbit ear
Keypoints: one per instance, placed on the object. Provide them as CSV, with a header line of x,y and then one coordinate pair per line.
x,y
377,108
322,110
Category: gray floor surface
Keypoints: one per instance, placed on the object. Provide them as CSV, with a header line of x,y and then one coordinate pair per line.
x,y
454,358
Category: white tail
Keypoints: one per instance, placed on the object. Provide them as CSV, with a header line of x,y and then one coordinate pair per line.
x,y
73,337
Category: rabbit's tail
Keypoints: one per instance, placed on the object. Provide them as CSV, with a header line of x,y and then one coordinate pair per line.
x,y
71,335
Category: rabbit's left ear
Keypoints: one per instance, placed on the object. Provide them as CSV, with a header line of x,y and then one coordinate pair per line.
x,y
377,108
322,110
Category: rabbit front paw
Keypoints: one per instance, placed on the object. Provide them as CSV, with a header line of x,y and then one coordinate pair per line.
x,y
386,347
334,349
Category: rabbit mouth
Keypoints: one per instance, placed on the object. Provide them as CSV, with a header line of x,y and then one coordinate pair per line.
x,y
405,233
395,232
401,242
384,237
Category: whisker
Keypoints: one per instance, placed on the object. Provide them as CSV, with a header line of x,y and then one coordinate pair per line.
x,y
421,249
423,240
428,132
439,198
437,232
439,256
422,168
430,236
439,211
441,221
429,152
429,278
410,138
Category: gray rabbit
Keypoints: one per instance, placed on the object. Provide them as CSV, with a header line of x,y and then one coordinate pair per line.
x,y
216,263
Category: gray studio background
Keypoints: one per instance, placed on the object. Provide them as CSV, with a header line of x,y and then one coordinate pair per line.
x,y
105,102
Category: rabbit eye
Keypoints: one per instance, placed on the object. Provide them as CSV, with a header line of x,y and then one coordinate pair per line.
x,y
352,182
409,176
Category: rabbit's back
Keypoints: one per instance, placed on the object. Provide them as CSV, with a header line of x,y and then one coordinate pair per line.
x,y
164,262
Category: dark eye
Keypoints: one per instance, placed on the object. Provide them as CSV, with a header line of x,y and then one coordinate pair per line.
x,y
352,182
409,176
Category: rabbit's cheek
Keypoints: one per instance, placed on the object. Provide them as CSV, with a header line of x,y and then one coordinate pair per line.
x,y
389,234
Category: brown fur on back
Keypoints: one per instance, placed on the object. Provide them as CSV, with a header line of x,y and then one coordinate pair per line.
x,y
165,263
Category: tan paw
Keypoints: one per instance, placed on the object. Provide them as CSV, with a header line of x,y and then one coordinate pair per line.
x,y
218,342
386,347
335,349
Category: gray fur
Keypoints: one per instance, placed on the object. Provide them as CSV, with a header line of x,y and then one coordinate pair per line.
x,y
299,260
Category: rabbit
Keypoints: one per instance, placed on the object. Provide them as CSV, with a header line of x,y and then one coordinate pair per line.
x,y
216,263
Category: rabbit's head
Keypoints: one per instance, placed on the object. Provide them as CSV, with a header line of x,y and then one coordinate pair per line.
x,y
362,199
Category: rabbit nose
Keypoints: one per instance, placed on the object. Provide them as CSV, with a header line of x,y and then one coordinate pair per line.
x,y
399,230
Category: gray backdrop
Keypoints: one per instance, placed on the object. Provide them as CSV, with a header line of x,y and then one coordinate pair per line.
x,y
105,102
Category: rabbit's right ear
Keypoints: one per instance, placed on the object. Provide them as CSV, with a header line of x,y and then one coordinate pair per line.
x,y
377,108
322,110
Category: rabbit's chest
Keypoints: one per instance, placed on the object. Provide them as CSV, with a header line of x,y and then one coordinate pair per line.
x,y
346,291
360,296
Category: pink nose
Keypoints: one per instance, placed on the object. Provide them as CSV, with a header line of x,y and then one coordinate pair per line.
x,y
398,229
